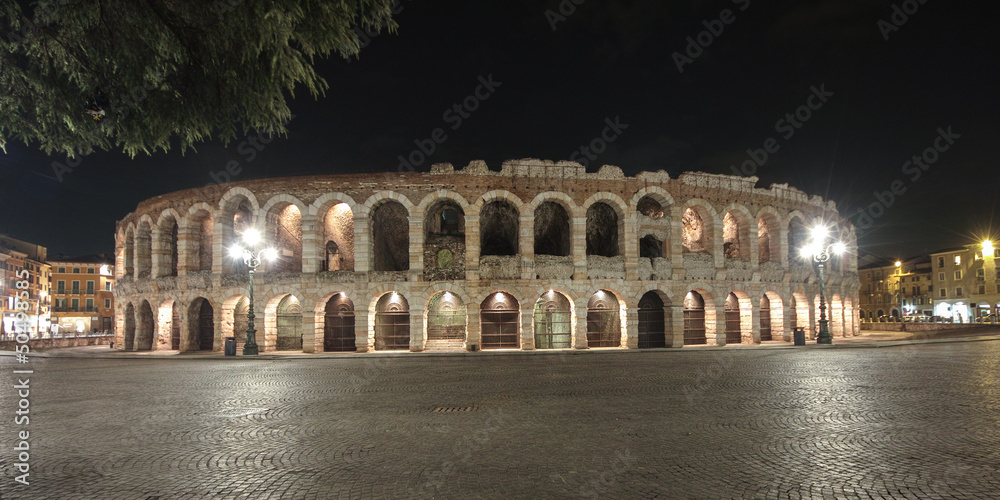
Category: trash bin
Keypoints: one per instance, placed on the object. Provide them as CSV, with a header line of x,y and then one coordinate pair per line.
x,y
230,346
111,345
800,336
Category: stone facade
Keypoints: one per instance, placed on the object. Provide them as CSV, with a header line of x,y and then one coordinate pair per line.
x,y
431,257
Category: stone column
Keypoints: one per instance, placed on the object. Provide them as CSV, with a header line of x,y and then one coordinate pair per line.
x,y
472,247
527,333
526,245
631,247
309,331
417,337
160,254
754,319
187,250
362,245
473,328
311,259
580,332
719,337
675,325
578,245
363,328
416,236
631,334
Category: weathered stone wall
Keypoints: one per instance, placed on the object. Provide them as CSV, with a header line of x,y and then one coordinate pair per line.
x,y
404,244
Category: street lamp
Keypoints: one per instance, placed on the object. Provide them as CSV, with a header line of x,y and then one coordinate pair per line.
x,y
820,252
252,259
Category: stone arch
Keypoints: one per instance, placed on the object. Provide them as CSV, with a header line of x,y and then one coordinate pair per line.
x,y
389,227
499,319
338,321
654,320
552,233
168,325
335,214
553,321
698,222
444,235
699,316
499,228
656,193
606,215
439,196
198,226
145,332
445,321
604,320
283,232
799,306
739,314
235,322
391,322
769,236
736,241
166,234
238,211
798,235
772,317
836,315
201,325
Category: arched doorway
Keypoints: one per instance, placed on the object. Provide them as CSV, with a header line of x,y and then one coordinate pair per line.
x,y
202,321
652,323
499,320
145,329
129,341
338,325
553,321
765,318
392,323
733,335
445,322
694,319
288,322
604,327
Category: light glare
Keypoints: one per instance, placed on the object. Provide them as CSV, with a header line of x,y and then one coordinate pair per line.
x,y
819,233
251,236
840,248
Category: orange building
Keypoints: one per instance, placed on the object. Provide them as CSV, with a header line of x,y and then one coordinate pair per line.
x,y
82,300
24,261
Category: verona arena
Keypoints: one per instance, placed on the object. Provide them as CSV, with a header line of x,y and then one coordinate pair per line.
x,y
538,255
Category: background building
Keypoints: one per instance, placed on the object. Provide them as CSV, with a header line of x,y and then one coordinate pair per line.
x,y
17,256
82,294
965,283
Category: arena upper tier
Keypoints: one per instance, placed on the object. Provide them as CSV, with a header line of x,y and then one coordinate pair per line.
x,y
539,255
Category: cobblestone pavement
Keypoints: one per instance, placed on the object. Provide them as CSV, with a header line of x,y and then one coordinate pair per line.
x,y
919,421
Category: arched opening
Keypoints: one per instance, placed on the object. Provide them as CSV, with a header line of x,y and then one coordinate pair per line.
x,y
732,241
200,226
168,325
553,319
552,230
694,319
652,321
392,323
288,323
499,227
241,319
338,237
338,325
390,237
167,235
143,251
694,237
604,327
284,234
238,218
444,241
765,319
650,208
129,334
145,328
797,237
499,317
445,322
128,254
202,324
650,247
602,230
733,331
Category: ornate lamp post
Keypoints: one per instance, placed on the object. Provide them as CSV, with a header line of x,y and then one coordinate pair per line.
x,y
819,251
252,259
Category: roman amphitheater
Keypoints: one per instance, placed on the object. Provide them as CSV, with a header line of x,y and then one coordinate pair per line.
x,y
537,255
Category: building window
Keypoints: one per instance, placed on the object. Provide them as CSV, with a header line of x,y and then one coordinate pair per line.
x,y
107,286
90,270
982,289
980,273
940,261
90,287
996,252
943,292
76,270
60,286
958,260
76,286
107,303
62,269
878,298
958,291
90,305
75,304
958,275
940,276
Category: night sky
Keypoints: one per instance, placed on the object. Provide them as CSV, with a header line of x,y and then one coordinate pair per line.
x,y
884,102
